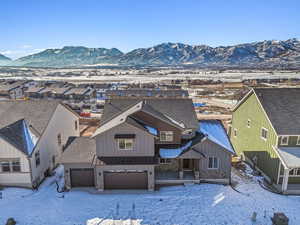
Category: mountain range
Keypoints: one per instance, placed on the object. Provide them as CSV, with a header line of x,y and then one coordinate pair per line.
x,y
270,53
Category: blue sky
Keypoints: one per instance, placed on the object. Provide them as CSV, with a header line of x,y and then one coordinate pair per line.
x,y
28,26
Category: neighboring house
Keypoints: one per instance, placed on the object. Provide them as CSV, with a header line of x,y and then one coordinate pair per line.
x,y
265,131
13,91
32,137
148,141
81,94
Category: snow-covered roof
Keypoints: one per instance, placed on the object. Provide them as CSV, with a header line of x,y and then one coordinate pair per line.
x,y
290,156
215,131
151,130
174,152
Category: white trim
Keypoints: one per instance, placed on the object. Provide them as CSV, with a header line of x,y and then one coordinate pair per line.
x,y
284,136
169,135
242,100
298,141
125,149
218,163
261,132
281,159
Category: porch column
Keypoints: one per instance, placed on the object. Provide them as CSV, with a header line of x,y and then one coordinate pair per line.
x,y
180,168
285,180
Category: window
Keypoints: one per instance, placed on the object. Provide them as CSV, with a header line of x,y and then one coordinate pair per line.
x,y
76,125
235,132
165,161
284,140
37,159
295,172
59,139
298,140
125,144
5,166
264,133
213,163
166,136
16,166
248,123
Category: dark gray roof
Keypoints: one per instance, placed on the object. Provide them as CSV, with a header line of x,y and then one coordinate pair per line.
x,y
148,93
36,113
181,110
14,134
282,106
79,150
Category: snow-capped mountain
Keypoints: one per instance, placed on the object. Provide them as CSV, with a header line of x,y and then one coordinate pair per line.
x,y
70,56
271,54
4,60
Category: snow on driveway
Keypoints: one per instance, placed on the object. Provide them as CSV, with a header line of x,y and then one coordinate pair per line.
x,y
204,204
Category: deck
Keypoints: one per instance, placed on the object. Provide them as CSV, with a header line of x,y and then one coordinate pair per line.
x,y
292,189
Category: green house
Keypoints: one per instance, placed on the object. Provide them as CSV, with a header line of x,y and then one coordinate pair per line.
x,y
265,131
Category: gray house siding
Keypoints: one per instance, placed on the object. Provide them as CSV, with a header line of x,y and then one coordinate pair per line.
x,y
210,149
160,126
107,145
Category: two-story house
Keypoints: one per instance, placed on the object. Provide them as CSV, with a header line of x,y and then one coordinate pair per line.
x,y
32,137
149,139
265,131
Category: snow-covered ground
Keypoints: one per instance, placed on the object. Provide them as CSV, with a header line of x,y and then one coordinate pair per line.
x,y
204,204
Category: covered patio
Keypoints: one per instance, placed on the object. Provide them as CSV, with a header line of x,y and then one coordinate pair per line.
x,y
289,168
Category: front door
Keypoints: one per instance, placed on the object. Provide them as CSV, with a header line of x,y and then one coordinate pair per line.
x,y
187,164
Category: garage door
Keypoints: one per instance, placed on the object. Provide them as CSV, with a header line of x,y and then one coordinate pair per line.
x,y
125,180
83,177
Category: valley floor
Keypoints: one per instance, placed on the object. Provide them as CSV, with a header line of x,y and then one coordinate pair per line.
x,y
204,204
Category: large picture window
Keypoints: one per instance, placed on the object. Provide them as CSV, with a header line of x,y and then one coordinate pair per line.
x,y
166,136
125,144
10,166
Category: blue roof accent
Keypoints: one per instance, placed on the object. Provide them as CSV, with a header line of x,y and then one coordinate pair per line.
x,y
173,152
151,130
199,104
215,131
30,139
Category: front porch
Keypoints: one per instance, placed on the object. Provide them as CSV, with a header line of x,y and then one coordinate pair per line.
x,y
178,171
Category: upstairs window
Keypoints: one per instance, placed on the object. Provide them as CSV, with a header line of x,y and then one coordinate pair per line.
x,y
166,136
213,163
76,125
264,133
125,144
284,140
16,166
5,166
11,166
37,159
298,140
